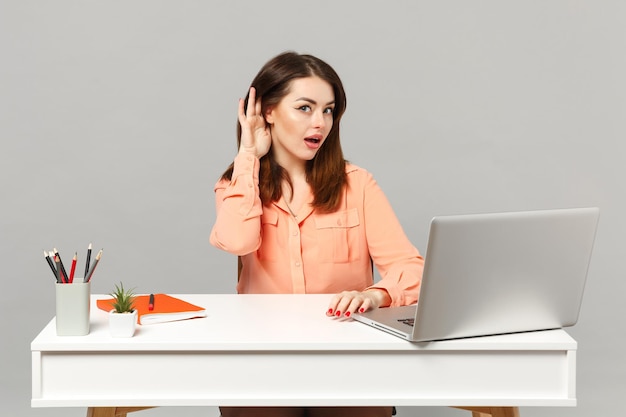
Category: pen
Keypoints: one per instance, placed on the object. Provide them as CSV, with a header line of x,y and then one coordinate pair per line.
x,y
88,260
64,276
73,268
93,267
151,302
49,260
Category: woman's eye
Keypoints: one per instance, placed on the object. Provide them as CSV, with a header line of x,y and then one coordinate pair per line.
x,y
305,108
329,110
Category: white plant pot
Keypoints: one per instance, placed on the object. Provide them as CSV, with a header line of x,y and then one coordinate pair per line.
x,y
122,324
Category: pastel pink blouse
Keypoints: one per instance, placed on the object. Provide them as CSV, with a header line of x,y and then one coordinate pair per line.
x,y
315,252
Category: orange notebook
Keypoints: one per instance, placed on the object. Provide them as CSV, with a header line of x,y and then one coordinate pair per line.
x,y
166,308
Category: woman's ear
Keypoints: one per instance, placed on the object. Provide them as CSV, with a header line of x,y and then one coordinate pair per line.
x,y
269,115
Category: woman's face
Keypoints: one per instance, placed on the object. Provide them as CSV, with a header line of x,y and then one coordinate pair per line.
x,y
301,121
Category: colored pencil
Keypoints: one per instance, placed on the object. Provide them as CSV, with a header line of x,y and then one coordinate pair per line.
x,y
49,260
73,268
57,261
93,267
88,260
64,276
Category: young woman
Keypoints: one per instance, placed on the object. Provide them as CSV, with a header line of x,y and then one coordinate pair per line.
x,y
300,217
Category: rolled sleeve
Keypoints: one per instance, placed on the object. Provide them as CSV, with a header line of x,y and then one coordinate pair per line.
x,y
239,208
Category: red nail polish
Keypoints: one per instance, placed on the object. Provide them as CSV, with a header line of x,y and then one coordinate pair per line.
x,y
347,314
338,313
361,310
330,311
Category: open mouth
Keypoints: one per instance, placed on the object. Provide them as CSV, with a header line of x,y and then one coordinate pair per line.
x,y
314,139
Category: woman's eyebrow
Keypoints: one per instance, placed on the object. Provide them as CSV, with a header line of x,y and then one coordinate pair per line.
x,y
310,100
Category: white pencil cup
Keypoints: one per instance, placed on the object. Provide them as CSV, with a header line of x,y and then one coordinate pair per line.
x,y
72,308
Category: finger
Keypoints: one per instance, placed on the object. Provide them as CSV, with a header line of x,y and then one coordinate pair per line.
x,y
359,303
258,108
365,306
344,303
332,306
241,110
251,102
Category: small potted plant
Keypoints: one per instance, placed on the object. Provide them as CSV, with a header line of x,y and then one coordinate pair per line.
x,y
123,316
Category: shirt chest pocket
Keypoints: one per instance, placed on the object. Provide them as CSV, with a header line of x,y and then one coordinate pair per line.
x,y
338,236
271,239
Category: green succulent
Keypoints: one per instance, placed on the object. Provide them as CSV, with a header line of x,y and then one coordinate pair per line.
x,y
123,299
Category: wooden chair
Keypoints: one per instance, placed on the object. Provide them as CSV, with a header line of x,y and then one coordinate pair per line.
x,y
112,411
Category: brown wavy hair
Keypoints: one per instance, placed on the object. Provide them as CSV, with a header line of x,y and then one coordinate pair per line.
x,y
326,172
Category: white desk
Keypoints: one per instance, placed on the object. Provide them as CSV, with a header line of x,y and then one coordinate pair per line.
x,y
274,350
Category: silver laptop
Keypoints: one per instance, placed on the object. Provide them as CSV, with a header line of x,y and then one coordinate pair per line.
x,y
487,274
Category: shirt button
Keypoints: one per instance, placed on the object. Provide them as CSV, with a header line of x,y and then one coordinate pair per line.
x,y
249,158
298,264
295,233
338,222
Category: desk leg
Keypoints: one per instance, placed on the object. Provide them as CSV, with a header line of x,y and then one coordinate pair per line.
x,y
112,411
492,411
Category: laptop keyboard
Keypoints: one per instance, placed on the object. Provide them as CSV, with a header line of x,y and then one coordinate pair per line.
x,y
409,321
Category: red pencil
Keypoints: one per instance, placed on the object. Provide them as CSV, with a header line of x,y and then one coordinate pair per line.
x,y
73,269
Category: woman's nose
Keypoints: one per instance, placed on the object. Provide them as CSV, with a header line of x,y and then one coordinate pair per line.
x,y
319,120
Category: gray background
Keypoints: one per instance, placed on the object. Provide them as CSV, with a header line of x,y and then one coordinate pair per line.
x,y
116,118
